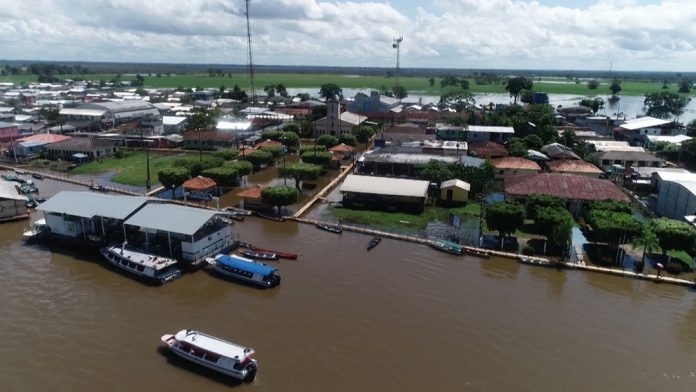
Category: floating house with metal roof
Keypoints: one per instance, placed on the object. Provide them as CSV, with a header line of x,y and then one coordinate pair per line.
x,y
12,204
95,219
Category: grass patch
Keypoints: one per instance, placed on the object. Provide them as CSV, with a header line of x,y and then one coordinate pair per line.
x,y
314,80
401,220
131,168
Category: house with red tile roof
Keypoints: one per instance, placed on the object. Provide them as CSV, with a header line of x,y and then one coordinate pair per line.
x,y
487,150
576,189
513,166
572,166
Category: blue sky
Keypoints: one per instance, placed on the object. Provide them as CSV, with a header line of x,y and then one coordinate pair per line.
x,y
502,34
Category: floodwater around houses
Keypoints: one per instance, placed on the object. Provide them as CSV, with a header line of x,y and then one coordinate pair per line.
x,y
399,318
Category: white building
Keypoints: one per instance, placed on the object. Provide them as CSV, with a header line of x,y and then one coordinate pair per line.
x,y
676,194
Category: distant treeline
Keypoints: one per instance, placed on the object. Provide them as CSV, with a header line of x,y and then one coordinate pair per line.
x,y
493,76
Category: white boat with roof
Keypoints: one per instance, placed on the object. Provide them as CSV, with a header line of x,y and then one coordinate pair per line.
x,y
214,353
37,230
245,270
137,262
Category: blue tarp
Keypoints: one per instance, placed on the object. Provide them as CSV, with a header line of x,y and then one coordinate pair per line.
x,y
243,264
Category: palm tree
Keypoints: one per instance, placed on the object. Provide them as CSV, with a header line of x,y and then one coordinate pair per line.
x,y
648,240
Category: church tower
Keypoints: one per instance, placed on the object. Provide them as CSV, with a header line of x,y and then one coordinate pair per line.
x,y
333,116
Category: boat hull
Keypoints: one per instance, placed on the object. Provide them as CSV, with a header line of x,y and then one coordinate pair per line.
x,y
114,261
258,283
248,373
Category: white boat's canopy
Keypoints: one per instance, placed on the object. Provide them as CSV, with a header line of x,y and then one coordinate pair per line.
x,y
214,345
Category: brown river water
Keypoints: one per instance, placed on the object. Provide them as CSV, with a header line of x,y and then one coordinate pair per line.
x,y
401,317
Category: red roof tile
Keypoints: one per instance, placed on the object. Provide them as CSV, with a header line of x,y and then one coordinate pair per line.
x,y
487,150
44,138
572,166
515,163
341,148
199,183
251,193
566,186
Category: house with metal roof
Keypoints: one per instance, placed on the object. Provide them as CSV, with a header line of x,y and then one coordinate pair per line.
x,y
384,193
87,147
574,166
454,191
513,166
486,133
676,194
89,216
12,204
608,159
186,233
403,162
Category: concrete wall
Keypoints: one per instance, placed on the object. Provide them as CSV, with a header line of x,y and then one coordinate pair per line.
x,y
674,201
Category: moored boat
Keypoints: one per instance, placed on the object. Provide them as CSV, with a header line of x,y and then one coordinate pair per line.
x,y
37,176
374,242
536,261
282,255
214,353
259,255
36,231
156,268
447,247
245,270
330,228
477,252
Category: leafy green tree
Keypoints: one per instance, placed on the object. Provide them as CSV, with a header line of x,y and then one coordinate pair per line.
x,y
271,135
533,142
515,85
613,227
173,176
535,202
685,85
647,240
463,84
281,90
504,217
673,234
279,196
290,138
327,140
449,80
244,168
664,104
49,115
275,150
349,139
435,171
201,119
555,223
477,177
321,158
292,127
312,147
304,97
615,86
592,84
300,172
517,148
610,205
527,96
330,90
431,81
227,154
259,157
225,175
459,100
399,92
270,91
363,134
593,103
691,128
196,165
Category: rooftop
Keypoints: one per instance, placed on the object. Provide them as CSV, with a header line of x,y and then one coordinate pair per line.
x,y
45,138
490,129
199,183
171,218
518,163
342,148
676,139
9,191
488,149
566,186
573,166
244,264
613,145
456,183
381,156
90,204
642,156
385,186
644,122
214,345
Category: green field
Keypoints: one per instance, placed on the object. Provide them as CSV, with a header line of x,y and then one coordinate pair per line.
x,y
418,85
131,169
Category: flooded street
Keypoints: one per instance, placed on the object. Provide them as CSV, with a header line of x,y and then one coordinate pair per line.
x,y
401,317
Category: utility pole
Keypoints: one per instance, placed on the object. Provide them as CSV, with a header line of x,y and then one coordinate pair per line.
x,y
397,45
250,58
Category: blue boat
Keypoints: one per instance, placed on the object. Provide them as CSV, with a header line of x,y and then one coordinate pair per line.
x,y
245,270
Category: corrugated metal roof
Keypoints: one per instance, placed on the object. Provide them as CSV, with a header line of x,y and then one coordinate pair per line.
x,y
90,204
385,186
82,112
566,186
171,218
490,129
644,122
417,159
9,191
456,183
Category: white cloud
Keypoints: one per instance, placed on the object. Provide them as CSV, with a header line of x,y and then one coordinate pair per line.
x,y
443,33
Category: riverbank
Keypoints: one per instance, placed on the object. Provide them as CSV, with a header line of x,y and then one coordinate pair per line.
x,y
414,84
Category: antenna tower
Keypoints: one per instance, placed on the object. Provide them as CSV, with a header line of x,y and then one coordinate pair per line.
x,y
250,58
397,45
